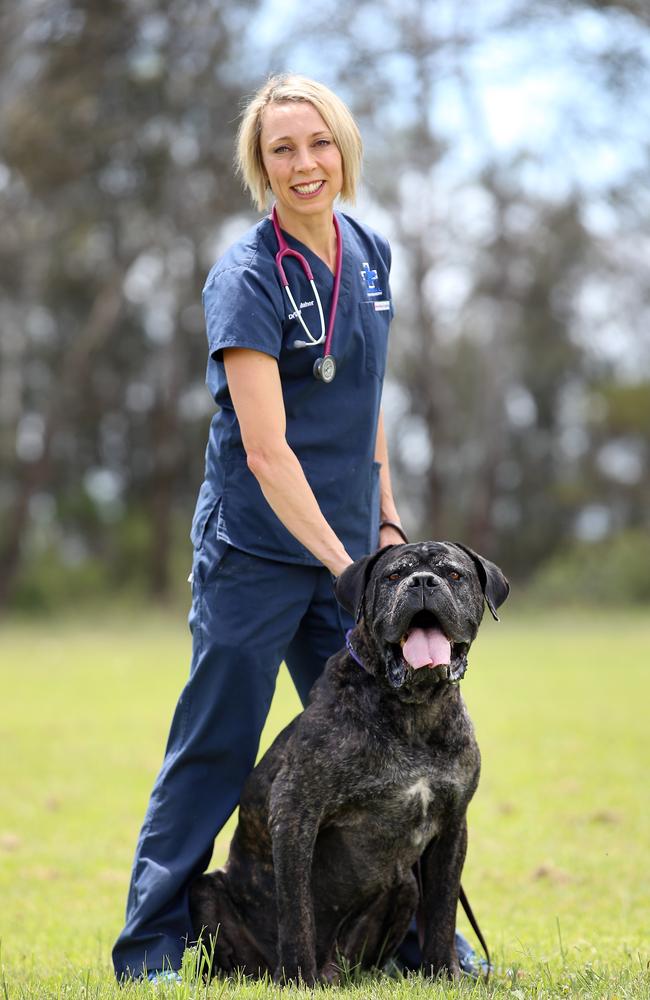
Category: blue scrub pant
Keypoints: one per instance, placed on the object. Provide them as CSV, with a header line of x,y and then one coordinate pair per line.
x,y
248,615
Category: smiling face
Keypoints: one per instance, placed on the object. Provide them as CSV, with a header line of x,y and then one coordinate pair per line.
x,y
302,162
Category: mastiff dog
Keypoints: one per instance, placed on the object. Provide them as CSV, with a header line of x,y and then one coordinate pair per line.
x,y
356,816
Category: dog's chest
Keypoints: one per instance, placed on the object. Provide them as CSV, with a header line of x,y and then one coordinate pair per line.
x,y
418,804
409,803
420,793
422,802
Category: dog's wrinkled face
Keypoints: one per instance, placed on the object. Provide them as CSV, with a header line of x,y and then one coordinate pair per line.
x,y
422,605
425,607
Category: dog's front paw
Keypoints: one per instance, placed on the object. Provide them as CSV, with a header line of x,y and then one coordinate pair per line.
x,y
295,971
330,974
442,969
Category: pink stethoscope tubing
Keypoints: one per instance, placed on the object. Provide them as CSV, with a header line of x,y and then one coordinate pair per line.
x,y
284,250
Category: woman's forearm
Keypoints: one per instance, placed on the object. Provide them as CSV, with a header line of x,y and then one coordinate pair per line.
x,y
288,493
256,392
387,508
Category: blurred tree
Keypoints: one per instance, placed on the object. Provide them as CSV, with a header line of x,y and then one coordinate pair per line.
x,y
117,125
526,279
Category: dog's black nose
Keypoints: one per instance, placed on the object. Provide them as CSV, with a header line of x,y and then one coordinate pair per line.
x,y
426,581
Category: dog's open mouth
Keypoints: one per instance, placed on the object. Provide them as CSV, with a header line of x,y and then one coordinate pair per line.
x,y
424,644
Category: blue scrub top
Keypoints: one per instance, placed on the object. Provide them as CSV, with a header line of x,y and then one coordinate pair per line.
x,y
330,427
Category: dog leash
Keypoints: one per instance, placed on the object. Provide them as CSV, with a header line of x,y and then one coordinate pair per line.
x,y
464,902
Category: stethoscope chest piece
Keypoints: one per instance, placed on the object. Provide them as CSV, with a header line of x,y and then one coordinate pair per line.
x,y
325,368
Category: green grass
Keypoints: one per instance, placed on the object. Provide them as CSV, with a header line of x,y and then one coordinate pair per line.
x,y
557,869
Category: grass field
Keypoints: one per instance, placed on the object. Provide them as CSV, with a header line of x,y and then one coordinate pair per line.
x,y
558,865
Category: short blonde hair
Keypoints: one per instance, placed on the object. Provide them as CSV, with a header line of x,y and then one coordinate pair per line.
x,y
281,89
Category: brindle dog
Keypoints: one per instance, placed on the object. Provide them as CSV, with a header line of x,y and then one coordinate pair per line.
x,y
374,776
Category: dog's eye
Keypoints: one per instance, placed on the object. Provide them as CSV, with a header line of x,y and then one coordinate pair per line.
x,y
453,575
394,576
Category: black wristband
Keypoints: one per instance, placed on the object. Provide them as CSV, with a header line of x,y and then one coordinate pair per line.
x,y
398,528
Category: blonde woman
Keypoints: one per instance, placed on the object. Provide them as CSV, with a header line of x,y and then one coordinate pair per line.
x,y
296,485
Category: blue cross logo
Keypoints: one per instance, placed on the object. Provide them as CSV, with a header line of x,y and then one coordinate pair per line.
x,y
369,275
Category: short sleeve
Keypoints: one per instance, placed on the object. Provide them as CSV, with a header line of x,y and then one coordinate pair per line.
x,y
388,259
388,255
241,311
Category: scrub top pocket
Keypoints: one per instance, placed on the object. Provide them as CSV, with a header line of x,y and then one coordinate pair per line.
x,y
207,504
375,322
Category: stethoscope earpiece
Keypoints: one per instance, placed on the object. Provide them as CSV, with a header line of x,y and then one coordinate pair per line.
x,y
325,367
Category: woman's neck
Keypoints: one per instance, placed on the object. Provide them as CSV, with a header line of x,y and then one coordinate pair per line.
x,y
316,232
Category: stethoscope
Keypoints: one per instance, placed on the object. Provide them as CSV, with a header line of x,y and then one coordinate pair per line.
x,y
325,367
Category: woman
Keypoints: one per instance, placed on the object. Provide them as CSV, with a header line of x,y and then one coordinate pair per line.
x,y
297,485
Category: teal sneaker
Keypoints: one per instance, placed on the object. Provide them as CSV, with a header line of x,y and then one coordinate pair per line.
x,y
409,956
159,976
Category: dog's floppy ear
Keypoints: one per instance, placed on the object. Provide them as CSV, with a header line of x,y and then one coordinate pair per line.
x,y
350,586
495,586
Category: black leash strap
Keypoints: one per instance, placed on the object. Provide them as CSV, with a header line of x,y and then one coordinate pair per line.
x,y
464,902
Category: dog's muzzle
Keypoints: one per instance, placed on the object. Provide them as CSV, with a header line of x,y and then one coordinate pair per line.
x,y
426,642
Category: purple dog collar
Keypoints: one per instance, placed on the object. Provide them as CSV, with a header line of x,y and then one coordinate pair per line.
x,y
350,648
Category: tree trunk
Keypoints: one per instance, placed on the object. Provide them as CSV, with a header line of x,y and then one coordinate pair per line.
x,y
73,373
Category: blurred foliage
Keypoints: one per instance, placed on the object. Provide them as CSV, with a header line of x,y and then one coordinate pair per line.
x,y
518,393
117,124
608,573
67,576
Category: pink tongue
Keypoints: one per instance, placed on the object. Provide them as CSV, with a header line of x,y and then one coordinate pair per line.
x,y
426,647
